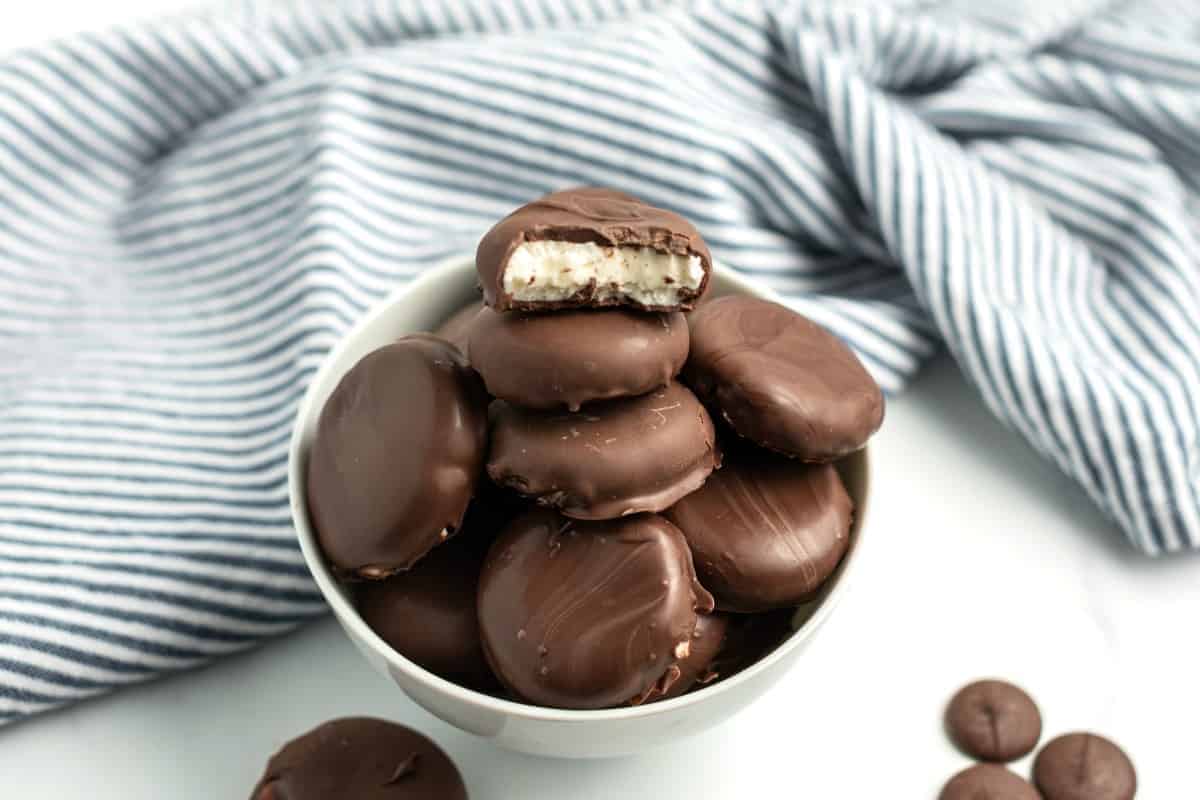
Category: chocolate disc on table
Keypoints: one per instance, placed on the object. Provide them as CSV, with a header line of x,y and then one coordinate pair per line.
x,y
765,531
428,615
360,758
457,328
993,721
694,669
568,358
399,447
612,458
592,247
588,614
1084,766
781,380
988,782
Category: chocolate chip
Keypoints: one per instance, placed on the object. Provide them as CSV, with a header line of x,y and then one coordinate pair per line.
x,y
988,782
993,721
1084,766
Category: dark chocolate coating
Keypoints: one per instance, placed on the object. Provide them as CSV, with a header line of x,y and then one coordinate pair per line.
x,y
988,782
587,614
399,447
694,669
993,721
587,214
568,358
360,758
765,531
457,328
1084,766
781,380
612,458
750,638
428,615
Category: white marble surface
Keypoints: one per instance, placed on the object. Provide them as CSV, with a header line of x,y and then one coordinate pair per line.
x,y
982,560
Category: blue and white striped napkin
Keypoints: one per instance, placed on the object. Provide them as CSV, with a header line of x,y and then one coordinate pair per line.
x,y
192,212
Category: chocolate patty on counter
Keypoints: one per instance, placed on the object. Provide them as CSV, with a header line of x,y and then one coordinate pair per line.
x,y
609,459
571,357
399,447
588,614
694,669
360,758
592,247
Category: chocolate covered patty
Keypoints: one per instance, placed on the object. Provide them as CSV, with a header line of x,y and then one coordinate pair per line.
x,y
1084,766
695,668
592,247
988,782
610,459
781,380
587,614
428,615
457,328
360,758
571,357
993,721
399,446
765,531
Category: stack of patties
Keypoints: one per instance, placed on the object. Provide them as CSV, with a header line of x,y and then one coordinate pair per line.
x,y
605,560
592,600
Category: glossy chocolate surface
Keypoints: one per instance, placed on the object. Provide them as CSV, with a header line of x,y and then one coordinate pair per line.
x,y
610,459
457,327
993,721
781,380
588,614
571,357
696,668
399,448
428,614
765,531
360,758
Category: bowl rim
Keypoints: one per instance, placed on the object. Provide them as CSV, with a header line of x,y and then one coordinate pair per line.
x,y
451,269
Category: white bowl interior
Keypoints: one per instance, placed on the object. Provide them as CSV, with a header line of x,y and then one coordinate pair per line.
x,y
423,306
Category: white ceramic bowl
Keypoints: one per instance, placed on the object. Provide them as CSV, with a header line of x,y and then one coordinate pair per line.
x,y
422,306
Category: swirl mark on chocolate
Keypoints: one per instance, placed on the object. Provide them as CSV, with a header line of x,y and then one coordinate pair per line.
x,y
607,210
765,531
781,380
602,618
622,456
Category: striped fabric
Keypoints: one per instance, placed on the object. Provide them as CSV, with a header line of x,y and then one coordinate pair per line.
x,y
192,212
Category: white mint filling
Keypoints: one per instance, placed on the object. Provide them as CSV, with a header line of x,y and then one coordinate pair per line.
x,y
549,271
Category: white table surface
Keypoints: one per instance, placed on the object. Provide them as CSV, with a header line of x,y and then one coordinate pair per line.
x,y
981,560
